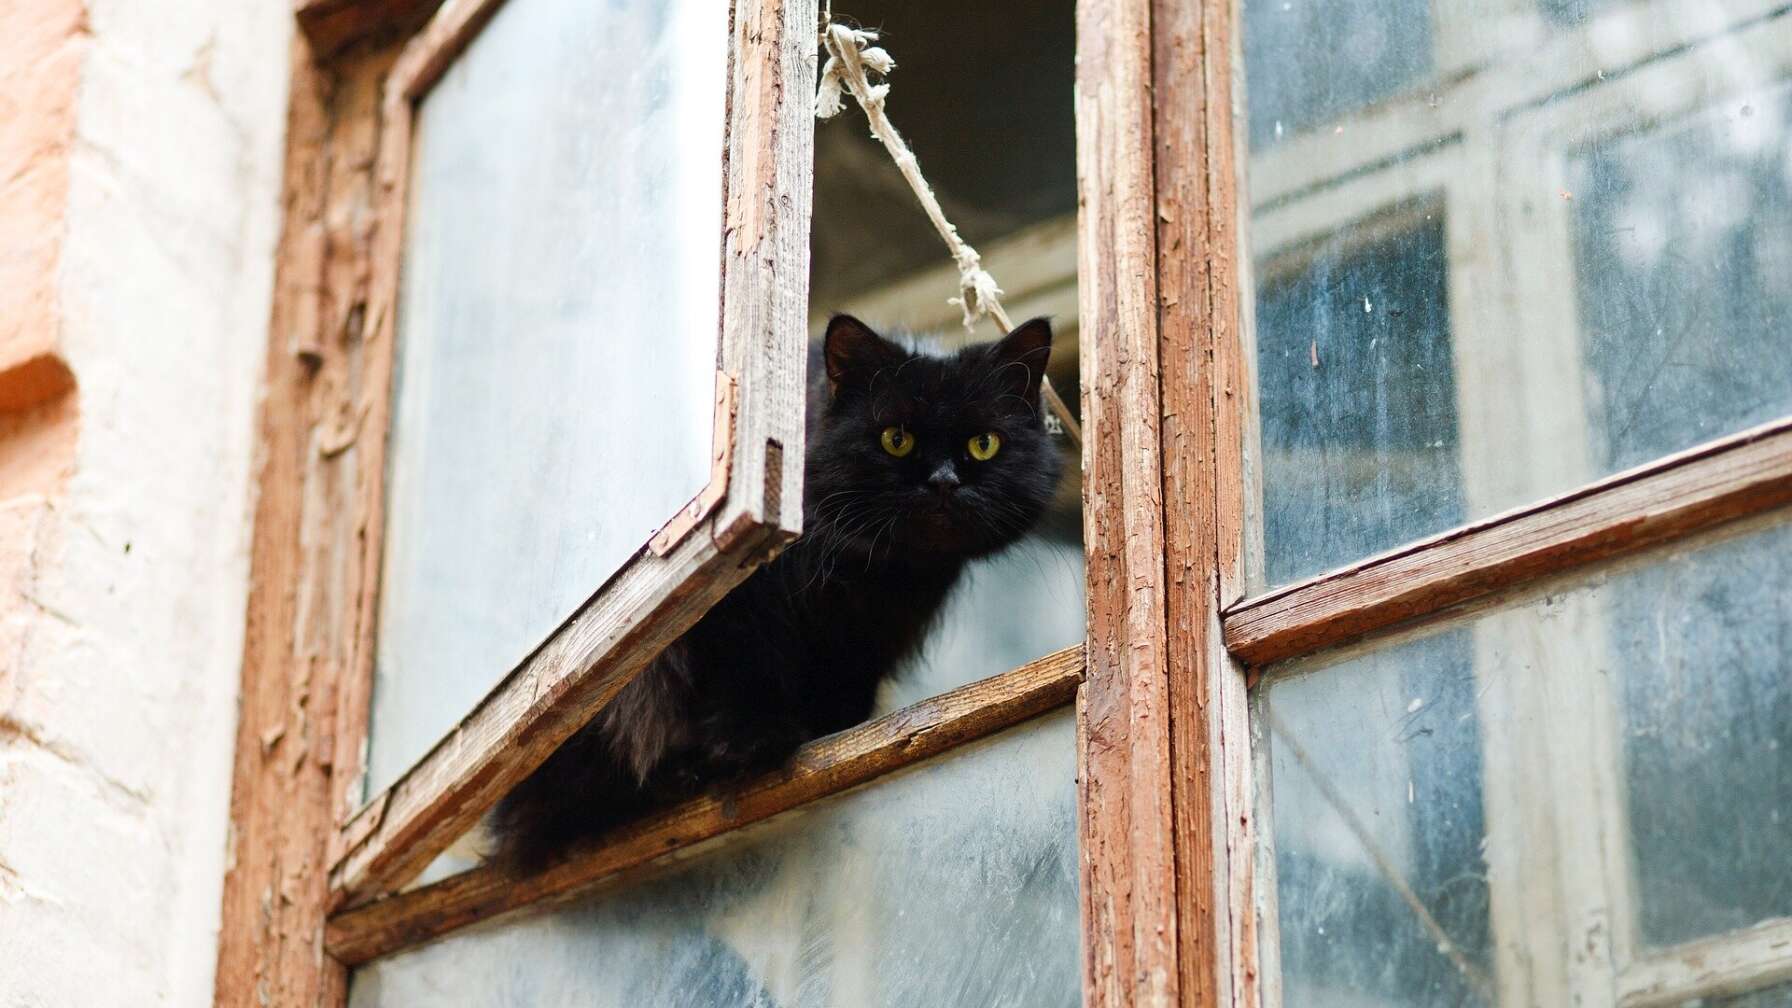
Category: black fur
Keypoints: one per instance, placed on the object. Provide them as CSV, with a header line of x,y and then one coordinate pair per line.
x,y
798,650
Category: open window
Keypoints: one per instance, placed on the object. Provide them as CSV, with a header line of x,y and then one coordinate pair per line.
x,y
574,354
595,381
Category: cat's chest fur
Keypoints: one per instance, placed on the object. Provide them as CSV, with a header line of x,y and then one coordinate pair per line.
x,y
823,637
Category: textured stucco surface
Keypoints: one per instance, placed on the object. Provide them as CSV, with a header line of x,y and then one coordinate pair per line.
x,y
124,540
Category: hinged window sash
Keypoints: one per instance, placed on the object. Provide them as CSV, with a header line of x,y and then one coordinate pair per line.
x,y
751,506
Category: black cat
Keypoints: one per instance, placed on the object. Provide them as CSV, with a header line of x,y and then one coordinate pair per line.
x,y
915,465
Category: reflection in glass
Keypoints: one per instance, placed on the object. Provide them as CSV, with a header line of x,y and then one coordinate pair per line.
x,y
1513,255
1359,398
1707,709
557,338
1378,829
949,886
1683,241
1417,788
1314,61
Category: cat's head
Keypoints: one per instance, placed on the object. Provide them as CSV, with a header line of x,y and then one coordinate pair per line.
x,y
922,459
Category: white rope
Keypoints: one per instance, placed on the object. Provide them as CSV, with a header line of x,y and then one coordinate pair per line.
x,y
852,54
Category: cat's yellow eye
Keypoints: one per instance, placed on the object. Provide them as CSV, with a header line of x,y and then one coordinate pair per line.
x,y
898,442
984,446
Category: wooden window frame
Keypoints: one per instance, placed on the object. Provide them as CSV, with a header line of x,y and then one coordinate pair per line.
x,y
309,894
751,507
307,675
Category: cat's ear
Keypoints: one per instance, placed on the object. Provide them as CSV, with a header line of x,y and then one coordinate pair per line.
x,y
854,354
1021,356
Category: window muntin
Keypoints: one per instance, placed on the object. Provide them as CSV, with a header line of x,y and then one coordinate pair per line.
x,y
951,884
1523,808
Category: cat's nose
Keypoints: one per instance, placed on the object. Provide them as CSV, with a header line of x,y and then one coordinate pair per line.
x,y
944,480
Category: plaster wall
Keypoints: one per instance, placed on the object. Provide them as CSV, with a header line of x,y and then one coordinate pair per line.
x,y
140,152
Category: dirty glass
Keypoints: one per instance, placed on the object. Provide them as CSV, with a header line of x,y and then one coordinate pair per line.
x,y
556,338
951,884
1415,788
1311,61
1373,773
1360,431
1707,702
1507,257
1684,251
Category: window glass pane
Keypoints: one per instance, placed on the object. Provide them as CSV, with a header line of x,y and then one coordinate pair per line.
x,y
1312,61
1685,304
557,337
1540,249
1375,769
1706,697
1507,810
953,884
1360,444
1575,11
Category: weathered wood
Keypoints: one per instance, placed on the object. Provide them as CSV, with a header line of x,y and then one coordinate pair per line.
x,y
538,706
429,54
295,654
1224,706
376,288
420,62
824,767
1123,710
1731,963
1672,497
765,256
653,598
332,26
1202,361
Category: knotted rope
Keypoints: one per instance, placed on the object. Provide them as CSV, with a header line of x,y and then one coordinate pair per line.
x,y
852,55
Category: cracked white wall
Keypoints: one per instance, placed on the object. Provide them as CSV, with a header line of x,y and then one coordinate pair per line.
x,y
118,712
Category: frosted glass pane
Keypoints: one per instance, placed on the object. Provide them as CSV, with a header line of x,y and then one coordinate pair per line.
x,y
952,885
1507,256
1683,250
557,338
1438,805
